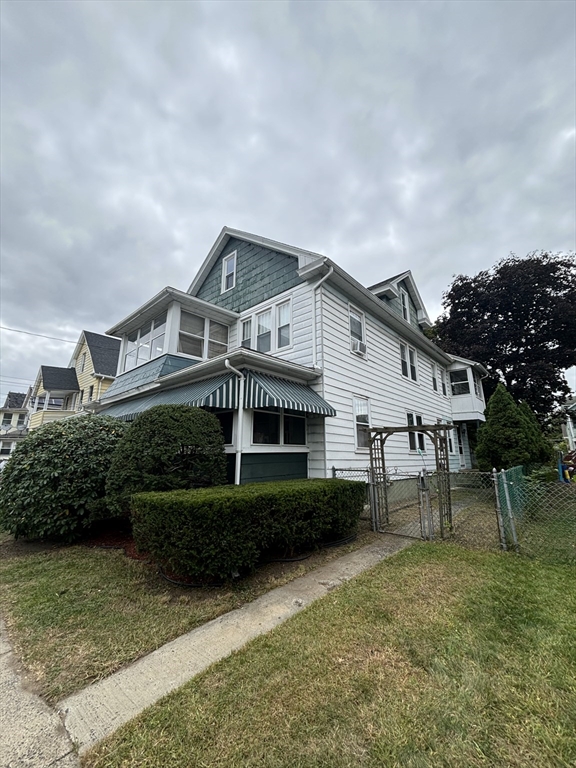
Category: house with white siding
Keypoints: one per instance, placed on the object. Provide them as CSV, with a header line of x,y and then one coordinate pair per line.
x,y
295,357
13,423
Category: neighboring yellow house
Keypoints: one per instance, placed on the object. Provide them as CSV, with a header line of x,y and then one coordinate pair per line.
x,y
62,392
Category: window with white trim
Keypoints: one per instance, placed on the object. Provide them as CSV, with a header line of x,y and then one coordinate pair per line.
x,y
90,393
201,337
247,334
443,381
268,330
357,331
276,426
264,331
145,343
459,382
361,419
477,385
6,420
82,362
408,362
434,377
6,447
405,305
228,272
415,439
283,325
21,420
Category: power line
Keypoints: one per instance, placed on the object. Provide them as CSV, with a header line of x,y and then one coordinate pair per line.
x,y
41,335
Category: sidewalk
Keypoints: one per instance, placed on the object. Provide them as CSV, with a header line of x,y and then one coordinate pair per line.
x,y
31,734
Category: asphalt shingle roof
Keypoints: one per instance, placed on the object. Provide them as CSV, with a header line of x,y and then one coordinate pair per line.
x,y
104,352
14,400
59,379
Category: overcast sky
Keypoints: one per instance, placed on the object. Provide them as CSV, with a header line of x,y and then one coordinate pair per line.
x,y
431,136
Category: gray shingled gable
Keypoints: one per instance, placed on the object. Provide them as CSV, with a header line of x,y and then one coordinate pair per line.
x,y
59,379
14,400
104,351
261,274
146,374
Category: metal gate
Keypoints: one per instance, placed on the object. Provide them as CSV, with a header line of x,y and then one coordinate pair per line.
x,y
410,504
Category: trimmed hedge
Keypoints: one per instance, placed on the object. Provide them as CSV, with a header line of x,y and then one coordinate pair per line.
x,y
217,532
168,447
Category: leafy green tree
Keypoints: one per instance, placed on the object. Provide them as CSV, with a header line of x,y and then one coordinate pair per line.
x,y
519,320
502,439
53,485
166,448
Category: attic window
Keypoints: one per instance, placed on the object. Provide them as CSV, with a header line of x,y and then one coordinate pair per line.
x,y
405,305
229,272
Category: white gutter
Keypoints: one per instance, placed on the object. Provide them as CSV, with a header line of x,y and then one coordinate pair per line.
x,y
239,431
315,340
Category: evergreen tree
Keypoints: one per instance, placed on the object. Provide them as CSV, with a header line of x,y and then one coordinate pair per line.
x,y
503,441
540,449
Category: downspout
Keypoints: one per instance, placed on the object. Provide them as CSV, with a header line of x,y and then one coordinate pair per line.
x,y
314,339
239,431
315,342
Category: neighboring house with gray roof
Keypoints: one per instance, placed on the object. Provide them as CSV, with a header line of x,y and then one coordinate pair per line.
x,y
13,423
62,392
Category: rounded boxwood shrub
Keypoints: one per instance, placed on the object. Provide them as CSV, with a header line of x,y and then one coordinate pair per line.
x,y
53,485
167,448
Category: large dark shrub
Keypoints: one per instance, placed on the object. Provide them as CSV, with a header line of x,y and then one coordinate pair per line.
x,y
53,485
215,532
168,447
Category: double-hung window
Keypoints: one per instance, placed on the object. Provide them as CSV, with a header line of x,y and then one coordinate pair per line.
x,y
6,420
264,331
415,439
361,419
201,337
247,333
443,381
82,362
90,393
434,377
408,362
145,343
283,324
459,382
357,331
278,427
229,272
269,330
21,420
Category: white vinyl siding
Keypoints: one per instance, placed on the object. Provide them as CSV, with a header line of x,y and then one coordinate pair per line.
x,y
376,378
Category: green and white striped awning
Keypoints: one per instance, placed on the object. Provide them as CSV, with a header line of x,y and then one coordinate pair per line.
x,y
219,392
263,391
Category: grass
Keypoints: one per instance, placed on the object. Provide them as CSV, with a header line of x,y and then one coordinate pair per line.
x,y
437,657
77,614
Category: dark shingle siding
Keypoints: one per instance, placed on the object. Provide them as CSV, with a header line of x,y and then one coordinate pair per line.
x,y
14,400
104,352
261,274
59,378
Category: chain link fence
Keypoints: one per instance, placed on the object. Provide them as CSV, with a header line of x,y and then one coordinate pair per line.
x,y
538,518
505,510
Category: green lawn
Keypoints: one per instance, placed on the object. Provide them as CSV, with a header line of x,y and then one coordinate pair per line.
x,y
77,614
437,657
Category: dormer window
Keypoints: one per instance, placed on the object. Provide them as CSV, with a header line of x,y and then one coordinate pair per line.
x,y
405,305
229,272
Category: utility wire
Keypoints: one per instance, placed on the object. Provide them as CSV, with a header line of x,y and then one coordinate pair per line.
x,y
57,338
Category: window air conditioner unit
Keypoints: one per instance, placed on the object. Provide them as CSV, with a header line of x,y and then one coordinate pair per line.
x,y
359,347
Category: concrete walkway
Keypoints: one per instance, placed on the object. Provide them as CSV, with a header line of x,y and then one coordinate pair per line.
x,y
97,711
31,734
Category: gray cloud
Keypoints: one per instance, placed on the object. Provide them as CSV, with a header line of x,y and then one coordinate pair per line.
x,y
389,135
